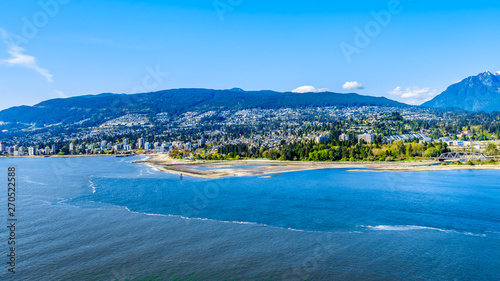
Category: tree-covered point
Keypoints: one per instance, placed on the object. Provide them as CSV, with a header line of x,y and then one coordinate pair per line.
x,y
335,151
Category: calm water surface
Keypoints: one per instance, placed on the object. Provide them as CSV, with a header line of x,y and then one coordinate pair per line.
x,y
109,219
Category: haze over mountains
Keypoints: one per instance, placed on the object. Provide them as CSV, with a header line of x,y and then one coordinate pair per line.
x,y
474,93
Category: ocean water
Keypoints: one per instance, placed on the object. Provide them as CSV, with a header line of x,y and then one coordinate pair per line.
x,y
106,218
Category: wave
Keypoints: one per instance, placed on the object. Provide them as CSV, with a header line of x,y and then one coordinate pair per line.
x,y
133,159
417,227
153,170
222,221
92,184
33,182
401,227
148,170
474,234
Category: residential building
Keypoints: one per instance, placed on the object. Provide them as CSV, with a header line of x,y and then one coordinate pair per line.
x,y
367,138
322,139
140,143
344,137
427,140
162,148
405,138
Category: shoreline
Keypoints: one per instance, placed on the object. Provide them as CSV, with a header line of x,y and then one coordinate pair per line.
x,y
270,168
260,167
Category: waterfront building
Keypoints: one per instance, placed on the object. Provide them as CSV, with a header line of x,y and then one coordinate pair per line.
x,y
162,148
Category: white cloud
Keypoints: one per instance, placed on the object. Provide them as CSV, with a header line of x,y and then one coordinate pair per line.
x,y
309,89
353,86
414,95
18,58
498,72
59,94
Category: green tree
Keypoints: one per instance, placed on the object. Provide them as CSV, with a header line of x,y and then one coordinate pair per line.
x,y
492,149
431,152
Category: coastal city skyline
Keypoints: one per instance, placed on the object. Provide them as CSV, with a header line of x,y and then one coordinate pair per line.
x,y
377,48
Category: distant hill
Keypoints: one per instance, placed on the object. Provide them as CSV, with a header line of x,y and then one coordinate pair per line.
x,y
475,93
178,101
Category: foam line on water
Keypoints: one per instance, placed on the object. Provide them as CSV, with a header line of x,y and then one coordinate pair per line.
x,y
27,179
221,221
401,227
417,227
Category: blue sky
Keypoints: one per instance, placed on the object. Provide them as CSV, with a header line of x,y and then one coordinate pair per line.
x,y
405,50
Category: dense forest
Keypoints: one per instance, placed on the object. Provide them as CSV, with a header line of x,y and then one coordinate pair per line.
x,y
334,151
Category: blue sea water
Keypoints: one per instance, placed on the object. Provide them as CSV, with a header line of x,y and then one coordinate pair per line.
x,y
105,218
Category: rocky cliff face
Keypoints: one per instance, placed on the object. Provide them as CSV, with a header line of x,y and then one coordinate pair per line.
x,y
475,93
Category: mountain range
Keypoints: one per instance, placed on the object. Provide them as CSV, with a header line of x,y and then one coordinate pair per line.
x,y
474,93
176,102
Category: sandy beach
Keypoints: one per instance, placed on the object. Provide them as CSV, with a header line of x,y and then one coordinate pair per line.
x,y
243,168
